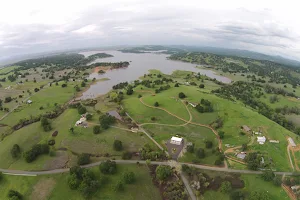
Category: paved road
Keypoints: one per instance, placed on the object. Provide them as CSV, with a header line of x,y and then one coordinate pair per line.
x,y
57,171
188,187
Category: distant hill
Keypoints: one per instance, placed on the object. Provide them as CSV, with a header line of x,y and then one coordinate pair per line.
x,y
240,53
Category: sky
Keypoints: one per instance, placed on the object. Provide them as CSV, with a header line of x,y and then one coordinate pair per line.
x,y
33,26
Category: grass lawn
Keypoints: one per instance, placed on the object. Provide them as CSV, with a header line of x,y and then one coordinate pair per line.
x,y
55,187
45,98
191,133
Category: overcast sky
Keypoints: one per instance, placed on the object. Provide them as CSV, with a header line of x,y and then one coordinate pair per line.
x,y
31,26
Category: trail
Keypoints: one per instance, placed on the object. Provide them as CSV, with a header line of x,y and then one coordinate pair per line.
x,y
290,159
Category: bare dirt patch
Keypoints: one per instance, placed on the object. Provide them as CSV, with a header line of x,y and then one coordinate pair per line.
x,y
43,189
59,161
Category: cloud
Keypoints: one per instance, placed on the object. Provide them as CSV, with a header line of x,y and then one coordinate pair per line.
x,y
43,26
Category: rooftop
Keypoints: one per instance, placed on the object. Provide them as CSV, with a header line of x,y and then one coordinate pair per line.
x,y
177,139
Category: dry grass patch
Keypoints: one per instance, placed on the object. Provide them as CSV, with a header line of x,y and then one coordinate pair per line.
x,y
43,189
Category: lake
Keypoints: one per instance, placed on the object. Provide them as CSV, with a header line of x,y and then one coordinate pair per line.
x,y
140,64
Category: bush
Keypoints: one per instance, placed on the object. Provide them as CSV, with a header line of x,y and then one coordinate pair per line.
x,y
14,195
129,177
181,95
96,129
201,86
268,175
221,134
153,118
163,172
118,146
176,85
89,116
226,187
51,142
156,104
126,155
83,159
139,96
218,162
15,151
208,144
119,186
108,167
200,153
73,182
64,85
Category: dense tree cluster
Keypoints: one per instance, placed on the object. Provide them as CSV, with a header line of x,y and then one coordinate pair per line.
x,y
148,153
108,167
83,159
106,121
204,106
35,151
163,172
15,151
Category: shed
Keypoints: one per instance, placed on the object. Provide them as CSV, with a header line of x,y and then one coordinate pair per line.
x,y
29,101
246,128
241,156
261,140
291,141
115,114
176,140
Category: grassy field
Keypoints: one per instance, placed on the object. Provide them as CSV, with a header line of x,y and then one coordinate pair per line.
x,y
81,141
191,133
55,187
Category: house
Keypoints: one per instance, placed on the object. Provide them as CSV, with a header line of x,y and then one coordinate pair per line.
x,y
261,140
115,114
176,140
29,101
241,155
78,123
246,128
291,141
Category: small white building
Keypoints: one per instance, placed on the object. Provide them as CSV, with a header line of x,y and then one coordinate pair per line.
x,y
29,101
193,105
291,141
241,155
176,140
274,141
261,140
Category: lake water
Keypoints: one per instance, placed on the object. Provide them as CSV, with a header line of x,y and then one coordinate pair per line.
x,y
140,64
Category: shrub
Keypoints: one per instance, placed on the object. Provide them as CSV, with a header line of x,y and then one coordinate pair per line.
x,y
139,96
163,172
176,85
156,104
51,142
96,129
126,155
129,177
200,153
83,159
208,144
14,195
201,85
118,146
181,95
89,116
226,187
221,134
15,151
64,85
108,167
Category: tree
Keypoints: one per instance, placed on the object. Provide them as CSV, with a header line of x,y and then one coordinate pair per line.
x,y
126,155
83,159
46,124
221,134
163,172
129,177
277,181
259,195
244,147
190,148
226,187
208,144
118,146
81,109
268,175
14,195
200,153
89,116
237,195
96,129
129,91
156,104
176,85
108,167
119,186
201,85
181,95
15,151
73,182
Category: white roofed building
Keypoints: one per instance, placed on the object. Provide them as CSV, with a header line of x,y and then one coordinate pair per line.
x,y
261,140
176,140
